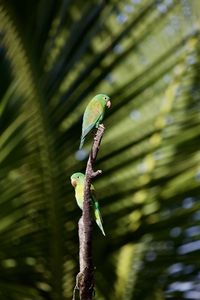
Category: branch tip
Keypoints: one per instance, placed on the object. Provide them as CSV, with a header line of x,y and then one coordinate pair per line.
x,y
95,174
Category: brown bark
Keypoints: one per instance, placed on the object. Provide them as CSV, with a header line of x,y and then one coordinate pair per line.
x,y
85,278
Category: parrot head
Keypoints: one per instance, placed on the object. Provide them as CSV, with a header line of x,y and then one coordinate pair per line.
x,y
77,178
104,99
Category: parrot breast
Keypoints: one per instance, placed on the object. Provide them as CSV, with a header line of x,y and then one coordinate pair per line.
x,y
79,195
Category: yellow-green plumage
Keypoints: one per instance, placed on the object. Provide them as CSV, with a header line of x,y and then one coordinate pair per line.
x,y
77,180
94,114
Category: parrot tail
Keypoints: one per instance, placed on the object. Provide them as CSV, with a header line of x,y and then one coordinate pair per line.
x,y
82,142
98,221
98,217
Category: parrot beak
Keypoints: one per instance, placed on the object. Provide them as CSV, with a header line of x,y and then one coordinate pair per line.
x,y
73,182
108,104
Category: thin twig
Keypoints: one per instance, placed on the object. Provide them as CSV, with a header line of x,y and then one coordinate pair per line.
x,y
85,278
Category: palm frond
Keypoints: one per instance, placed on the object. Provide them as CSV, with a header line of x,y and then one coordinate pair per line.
x,y
54,56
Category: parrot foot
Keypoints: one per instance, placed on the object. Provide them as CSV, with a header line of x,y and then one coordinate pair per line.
x,y
102,126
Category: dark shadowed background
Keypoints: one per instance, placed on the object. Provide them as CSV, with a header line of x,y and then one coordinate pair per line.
x,y
54,57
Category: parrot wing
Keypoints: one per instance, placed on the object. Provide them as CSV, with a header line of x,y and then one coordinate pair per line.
x,y
93,113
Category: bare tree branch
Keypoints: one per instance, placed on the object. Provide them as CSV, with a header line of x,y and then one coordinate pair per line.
x,y
85,278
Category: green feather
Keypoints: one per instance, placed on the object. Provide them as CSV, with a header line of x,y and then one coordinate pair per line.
x,y
79,179
93,115
97,214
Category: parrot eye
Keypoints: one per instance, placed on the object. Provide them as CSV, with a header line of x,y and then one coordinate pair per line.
x,y
77,176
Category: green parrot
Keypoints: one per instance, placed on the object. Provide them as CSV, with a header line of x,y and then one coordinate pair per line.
x,y
77,181
94,114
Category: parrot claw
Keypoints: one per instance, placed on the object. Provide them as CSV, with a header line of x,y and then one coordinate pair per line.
x,y
102,126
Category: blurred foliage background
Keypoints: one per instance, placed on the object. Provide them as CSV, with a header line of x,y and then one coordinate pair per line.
x,y
56,55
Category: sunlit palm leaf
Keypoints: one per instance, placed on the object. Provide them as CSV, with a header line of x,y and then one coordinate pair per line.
x,y
55,55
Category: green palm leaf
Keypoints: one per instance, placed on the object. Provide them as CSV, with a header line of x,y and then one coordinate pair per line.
x,y
54,56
